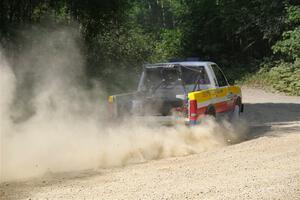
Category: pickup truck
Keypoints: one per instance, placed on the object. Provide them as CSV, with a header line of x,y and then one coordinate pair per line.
x,y
187,90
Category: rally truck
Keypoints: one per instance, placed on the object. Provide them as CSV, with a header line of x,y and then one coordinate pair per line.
x,y
179,91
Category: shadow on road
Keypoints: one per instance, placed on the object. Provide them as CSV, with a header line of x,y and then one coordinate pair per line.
x,y
271,119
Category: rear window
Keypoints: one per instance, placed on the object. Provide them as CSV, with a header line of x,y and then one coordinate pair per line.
x,y
170,77
190,75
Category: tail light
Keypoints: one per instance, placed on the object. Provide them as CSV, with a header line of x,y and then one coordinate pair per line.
x,y
193,110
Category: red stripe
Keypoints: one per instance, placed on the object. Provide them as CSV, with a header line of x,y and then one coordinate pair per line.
x,y
221,107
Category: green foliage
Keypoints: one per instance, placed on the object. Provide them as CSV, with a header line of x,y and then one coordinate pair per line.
x,y
168,46
121,35
121,58
293,14
290,44
233,31
284,77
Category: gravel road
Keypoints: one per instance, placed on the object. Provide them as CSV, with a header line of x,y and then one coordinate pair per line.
x,y
265,166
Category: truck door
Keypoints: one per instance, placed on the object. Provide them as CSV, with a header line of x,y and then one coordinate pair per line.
x,y
224,99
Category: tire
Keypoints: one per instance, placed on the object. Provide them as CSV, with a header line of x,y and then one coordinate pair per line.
x,y
211,112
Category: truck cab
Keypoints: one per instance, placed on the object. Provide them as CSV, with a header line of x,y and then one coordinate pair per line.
x,y
187,90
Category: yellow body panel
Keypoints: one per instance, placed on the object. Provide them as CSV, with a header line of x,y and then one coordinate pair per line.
x,y
235,90
202,96
111,99
209,94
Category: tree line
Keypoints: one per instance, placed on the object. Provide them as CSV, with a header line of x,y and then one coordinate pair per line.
x,y
121,35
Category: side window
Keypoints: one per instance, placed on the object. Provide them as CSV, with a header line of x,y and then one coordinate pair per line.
x,y
220,76
195,75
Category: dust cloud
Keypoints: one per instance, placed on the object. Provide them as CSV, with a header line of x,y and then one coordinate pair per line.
x,y
51,121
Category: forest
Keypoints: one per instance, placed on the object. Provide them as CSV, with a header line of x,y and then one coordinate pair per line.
x,y
256,42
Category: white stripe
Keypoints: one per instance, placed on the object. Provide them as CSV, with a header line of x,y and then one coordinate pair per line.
x,y
213,101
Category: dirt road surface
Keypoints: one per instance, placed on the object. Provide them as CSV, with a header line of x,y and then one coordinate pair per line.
x,y
265,166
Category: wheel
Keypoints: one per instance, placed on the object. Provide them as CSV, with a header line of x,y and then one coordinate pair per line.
x,y
211,112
